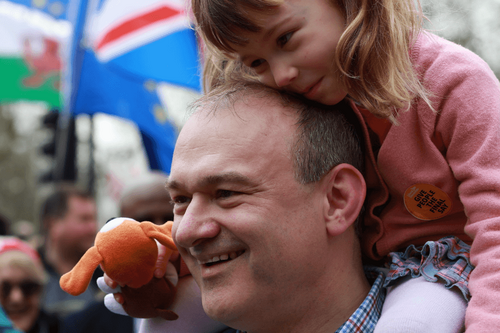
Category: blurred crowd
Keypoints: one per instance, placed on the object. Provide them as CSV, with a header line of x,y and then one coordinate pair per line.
x,y
32,262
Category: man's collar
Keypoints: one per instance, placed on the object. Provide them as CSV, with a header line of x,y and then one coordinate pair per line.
x,y
364,319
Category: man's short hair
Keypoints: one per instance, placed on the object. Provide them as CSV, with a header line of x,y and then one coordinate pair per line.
x,y
56,204
326,135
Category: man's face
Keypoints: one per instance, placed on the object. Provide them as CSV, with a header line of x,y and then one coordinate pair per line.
x,y
75,232
251,235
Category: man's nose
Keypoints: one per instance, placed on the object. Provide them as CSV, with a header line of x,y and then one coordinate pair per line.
x,y
283,73
196,224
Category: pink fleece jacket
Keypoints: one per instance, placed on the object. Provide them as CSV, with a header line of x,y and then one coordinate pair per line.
x,y
457,150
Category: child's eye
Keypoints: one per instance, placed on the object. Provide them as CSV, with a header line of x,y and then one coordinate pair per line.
x,y
257,63
282,40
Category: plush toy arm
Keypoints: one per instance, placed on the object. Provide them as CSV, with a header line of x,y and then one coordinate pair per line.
x,y
162,234
77,280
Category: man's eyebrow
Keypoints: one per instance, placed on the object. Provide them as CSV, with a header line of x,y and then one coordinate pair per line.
x,y
171,184
228,177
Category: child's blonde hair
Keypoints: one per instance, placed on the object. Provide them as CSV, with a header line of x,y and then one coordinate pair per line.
x,y
373,53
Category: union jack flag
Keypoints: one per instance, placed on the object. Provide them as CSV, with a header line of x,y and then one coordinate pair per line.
x,y
129,47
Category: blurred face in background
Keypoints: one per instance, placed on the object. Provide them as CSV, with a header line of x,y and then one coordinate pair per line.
x,y
20,293
151,203
77,229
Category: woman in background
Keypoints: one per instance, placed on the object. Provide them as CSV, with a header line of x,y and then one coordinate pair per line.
x,y
21,282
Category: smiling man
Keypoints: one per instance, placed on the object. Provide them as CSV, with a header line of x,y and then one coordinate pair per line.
x,y
266,192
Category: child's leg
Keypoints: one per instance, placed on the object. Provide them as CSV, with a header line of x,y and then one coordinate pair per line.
x,y
418,306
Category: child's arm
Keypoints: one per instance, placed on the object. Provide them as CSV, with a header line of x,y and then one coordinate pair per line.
x,y
456,149
469,124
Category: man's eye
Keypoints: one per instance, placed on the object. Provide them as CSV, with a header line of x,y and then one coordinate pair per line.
x,y
179,200
224,194
257,63
282,40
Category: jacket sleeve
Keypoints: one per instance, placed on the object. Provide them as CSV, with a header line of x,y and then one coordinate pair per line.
x,y
469,123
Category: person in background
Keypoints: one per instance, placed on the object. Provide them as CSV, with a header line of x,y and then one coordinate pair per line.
x,y
26,231
144,199
6,324
22,278
69,221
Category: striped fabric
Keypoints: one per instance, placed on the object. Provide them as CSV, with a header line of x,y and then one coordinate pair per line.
x,y
446,260
364,319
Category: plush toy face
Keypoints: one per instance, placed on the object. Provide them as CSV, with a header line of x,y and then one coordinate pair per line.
x,y
127,252
128,255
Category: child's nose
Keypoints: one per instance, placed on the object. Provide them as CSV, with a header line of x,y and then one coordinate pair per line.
x,y
284,74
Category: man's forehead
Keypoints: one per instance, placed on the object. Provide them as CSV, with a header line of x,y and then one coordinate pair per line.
x,y
258,114
252,132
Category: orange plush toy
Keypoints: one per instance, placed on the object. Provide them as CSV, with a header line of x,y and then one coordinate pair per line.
x,y
127,253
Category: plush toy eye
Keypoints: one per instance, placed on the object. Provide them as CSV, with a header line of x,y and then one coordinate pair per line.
x,y
111,224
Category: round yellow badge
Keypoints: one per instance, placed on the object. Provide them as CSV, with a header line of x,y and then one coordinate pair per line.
x,y
427,202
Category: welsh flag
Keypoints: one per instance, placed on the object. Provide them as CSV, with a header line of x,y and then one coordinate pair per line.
x,y
31,46
107,56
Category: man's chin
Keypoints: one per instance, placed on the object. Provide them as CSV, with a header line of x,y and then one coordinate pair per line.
x,y
219,311
230,313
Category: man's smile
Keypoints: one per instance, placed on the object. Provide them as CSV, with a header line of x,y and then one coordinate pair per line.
x,y
221,258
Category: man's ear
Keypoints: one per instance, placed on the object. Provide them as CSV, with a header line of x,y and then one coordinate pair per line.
x,y
344,197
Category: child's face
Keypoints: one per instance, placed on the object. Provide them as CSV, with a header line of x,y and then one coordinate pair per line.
x,y
296,48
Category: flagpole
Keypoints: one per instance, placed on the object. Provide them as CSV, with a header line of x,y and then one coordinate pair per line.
x,y
77,14
91,178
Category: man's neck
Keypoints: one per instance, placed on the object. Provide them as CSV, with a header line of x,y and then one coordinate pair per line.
x,y
324,312
340,308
